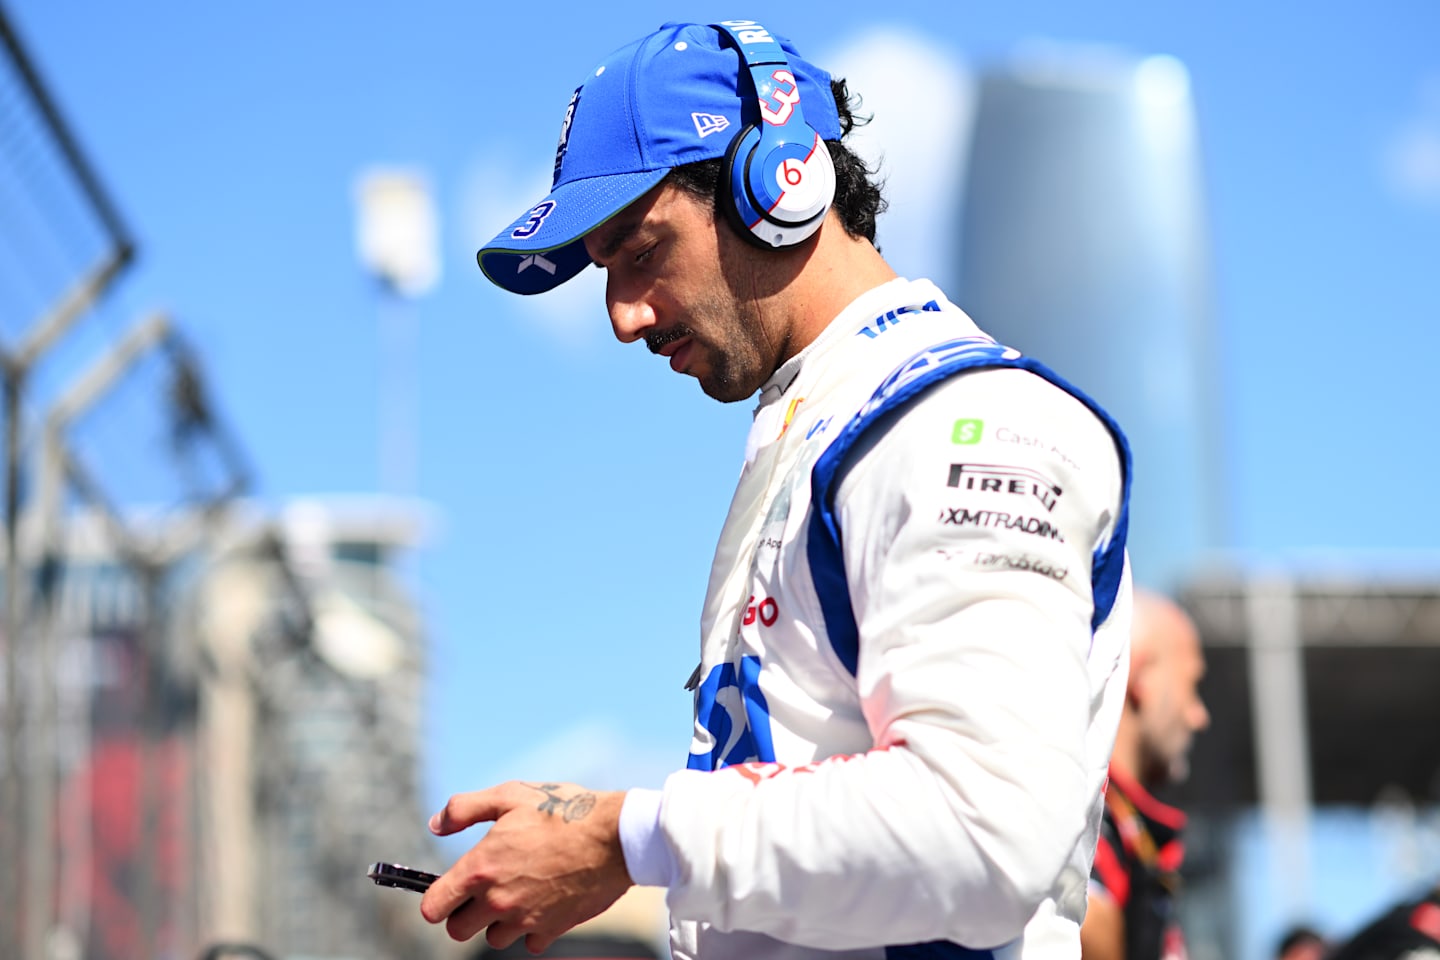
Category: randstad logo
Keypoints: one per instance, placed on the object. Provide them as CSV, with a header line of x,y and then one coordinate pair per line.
x,y
892,317
708,123
967,431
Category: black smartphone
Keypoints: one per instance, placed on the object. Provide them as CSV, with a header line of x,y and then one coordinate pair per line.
x,y
406,878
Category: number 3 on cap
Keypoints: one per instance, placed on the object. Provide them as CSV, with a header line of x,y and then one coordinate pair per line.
x,y
536,218
786,99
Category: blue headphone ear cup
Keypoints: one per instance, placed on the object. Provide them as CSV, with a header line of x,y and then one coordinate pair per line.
x,y
793,183
751,157
736,192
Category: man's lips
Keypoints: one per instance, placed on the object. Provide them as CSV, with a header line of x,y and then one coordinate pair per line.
x,y
668,346
673,343
679,353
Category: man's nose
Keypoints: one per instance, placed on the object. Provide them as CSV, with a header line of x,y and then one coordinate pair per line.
x,y
630,315
1201,718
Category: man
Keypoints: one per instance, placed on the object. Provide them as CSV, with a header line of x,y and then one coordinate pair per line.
x,y
1131,913
913,642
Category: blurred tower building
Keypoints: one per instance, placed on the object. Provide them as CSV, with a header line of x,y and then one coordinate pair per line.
x,y
1315,794
1082,243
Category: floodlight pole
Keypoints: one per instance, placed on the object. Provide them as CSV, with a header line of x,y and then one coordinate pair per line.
x,y
396,241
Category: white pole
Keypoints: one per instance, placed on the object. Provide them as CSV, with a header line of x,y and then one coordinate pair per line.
x,y
1282,748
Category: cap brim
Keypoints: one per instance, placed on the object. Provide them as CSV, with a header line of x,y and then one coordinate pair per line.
x,y
543,247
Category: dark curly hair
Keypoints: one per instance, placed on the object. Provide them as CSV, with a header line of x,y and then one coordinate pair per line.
x,y
858,198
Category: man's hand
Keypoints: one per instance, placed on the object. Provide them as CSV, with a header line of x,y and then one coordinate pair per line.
x,y
551,860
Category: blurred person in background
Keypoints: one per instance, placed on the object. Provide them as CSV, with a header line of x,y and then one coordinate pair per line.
x,y
1131,913
1301,942
914,643
1409,930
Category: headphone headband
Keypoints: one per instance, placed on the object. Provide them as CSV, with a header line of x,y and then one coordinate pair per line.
x,y
780,178
754,42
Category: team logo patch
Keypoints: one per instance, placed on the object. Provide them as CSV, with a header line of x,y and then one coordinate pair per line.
x,y
565,126
535,260
708,123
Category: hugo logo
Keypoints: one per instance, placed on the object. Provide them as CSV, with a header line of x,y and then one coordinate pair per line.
x,y
767,610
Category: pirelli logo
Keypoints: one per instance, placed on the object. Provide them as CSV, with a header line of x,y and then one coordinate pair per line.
x,y
997,478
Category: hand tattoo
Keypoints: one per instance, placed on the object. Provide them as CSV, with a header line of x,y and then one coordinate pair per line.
x,y
571,808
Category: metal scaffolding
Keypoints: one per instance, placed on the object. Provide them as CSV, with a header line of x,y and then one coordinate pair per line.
x,y
199,753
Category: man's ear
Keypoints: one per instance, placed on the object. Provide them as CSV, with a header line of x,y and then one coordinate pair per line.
x,y
1135,684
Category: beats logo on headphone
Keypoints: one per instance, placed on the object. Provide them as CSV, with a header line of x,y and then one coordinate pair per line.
x,y
778,175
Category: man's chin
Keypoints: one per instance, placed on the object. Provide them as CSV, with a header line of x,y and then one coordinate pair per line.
x,y
720,385
724,392
723,389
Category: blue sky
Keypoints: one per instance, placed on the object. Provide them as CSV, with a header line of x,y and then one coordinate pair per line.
x,y
577,484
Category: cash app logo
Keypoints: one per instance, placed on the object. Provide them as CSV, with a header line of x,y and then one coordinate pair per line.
x,y
967,431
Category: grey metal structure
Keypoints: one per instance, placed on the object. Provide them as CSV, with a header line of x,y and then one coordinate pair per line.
x,y
61,246
174,777
1325,684
311,709
277,749
1322,688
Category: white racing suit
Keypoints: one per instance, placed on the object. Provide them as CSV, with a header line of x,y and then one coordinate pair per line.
x,y
915,641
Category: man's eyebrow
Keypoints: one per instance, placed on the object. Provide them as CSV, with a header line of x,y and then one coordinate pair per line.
x,y
618,235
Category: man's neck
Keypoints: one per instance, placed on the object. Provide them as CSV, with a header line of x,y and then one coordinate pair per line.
x,y
840,269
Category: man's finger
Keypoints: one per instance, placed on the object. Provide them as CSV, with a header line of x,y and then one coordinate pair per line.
x,y
448,898
467,809
463,919
501,934
538,943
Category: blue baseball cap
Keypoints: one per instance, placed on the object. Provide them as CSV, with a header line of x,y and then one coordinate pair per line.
x,y
670,98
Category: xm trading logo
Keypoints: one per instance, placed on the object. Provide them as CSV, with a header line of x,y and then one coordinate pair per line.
x,y
961,517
